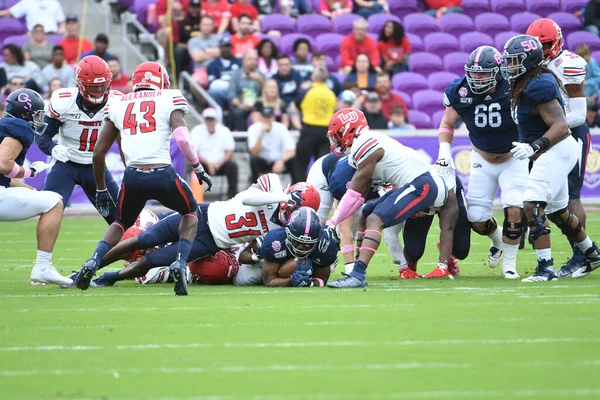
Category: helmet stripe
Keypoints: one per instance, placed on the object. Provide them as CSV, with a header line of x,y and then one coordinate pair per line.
x,y
476,62
307,227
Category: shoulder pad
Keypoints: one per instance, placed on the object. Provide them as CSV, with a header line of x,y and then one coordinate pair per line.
x,y
543,90
61,102
364,145
571,68
452,90
19,129
270,183
273,247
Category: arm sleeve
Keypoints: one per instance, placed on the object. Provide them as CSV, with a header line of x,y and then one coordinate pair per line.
x,y
256,197
179,102
288,142
448,94
44,142
19,9
300,97
577,111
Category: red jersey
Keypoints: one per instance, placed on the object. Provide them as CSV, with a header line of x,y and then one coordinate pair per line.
x,y
238,9
350,49
392,51
217,11
239,46
435,4
71,46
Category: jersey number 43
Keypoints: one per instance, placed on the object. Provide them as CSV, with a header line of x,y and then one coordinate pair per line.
x,y
147,109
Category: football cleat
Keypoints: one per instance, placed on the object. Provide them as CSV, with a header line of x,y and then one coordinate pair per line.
x,y
592,262
347,282
508,274
407,273
179,272
86,273
494,256
440,272
48,274
102,281
544,272
570,267
453,266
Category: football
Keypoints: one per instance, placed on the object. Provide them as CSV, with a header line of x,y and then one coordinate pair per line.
x,y
287,269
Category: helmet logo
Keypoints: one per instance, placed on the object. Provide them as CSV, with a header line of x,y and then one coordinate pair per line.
x,y
100,80
498,58
147,76
463,91
24,98
349,117
294,215
276,245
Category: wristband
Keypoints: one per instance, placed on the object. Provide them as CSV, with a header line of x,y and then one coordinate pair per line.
x,y
14,172
28,173
540,144
347,249
318,282
446,130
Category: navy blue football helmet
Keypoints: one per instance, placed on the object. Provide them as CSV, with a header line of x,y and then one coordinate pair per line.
x,y
483,68
303,232
28,105
522,53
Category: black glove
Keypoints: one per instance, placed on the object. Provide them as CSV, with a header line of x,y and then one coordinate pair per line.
x,y
104,202
203,177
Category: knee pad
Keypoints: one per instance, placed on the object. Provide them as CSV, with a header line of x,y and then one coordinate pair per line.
x,y
490,226
477,213
565,227
511,230
537,228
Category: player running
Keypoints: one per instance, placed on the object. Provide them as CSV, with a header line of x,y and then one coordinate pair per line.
x,y
570,70
18,201
144,120
545,138
75,115
480,98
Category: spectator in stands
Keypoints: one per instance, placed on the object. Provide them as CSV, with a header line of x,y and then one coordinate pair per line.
x,y
591,17
270,98
398,120
71,43
203,48
592,72
179,9
366,8
59,69
345,100
356,43
241,7
363,73
245,89
215,145
15,65
53,86
120,81
332,8
389,99
317,105
188,28
271,146
48,13
320,59
293,8
3,79
14,83
267,58
287,78
2,109
373,113
220,13
264,7
437,8
39,50
100,47
592,114
394,47
219,72
244,40
302,64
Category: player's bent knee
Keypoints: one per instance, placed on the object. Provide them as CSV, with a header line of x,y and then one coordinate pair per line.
x,y
485,228
564,220
513,214
513,223
374,222
478,213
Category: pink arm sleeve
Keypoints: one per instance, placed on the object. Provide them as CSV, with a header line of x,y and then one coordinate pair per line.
x,y
350,202
184,141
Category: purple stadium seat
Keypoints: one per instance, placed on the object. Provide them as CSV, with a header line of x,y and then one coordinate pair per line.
x,y
287,42
439,80
508,7
416,43
521,21
329,43
314,24
419,119
577,38
332,66
425,63
455,62
341,77
568,22
16,40
571,6
491,23
343,23
402,8
472,8
277,22
456,24
11,27
428,101
140,8
471,40
128,3
405,96
420,24
440,43
436,120
501,39
377,21
409,82
56,39
543,7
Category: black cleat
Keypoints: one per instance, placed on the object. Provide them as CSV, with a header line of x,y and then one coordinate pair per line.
x,y
86,273
178,270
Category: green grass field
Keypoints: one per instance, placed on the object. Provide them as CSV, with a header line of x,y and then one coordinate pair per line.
x,y
478,336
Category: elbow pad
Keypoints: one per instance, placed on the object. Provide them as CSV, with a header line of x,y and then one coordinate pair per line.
x,y
576,117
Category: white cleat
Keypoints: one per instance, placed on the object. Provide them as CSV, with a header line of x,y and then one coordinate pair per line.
x,y
494,256
510,274
49,274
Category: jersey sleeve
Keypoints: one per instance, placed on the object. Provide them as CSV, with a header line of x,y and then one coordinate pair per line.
x,y
327,258
179,102
270,183
450,92
273,247
573,70
363,146
543,90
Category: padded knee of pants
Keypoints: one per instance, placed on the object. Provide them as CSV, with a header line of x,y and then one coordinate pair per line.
x,y
478,213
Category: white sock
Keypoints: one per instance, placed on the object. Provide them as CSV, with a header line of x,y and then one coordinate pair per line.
x,y
510,257
43,258
496,237
402,266
544,254
349,267
585,244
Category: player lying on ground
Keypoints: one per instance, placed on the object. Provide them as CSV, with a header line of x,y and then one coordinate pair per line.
x,y
18,201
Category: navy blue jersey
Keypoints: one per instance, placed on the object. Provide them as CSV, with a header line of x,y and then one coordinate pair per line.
x,y
341,175
538,91
20,130
487,116
273,248
328,164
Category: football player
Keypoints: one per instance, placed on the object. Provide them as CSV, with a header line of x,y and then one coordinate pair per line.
x,y
145,120
75,115
544,138
18,201
377,156
570,69
481,99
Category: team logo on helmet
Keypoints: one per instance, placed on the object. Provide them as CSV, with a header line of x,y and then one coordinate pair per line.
x,y
24,98
349,117
147,75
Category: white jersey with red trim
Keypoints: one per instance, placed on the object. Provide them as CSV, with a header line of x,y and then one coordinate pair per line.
x,y
399,166
232,222
80,129
144,120
570,68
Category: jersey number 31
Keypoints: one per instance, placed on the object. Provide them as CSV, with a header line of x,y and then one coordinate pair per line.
x,y
485,115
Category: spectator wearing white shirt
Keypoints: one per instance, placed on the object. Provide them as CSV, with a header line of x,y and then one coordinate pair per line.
x,y
272,148
214,144
48,13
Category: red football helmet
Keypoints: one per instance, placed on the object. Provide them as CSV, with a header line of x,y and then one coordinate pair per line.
x,y
310,198
143,222
547,31
217,269
344,126
93,78
150,75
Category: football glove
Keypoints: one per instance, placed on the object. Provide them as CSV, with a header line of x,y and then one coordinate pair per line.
x,y
60,153
203,177
104,202
522,151
444,164
303,274
296,198
327,235
38,166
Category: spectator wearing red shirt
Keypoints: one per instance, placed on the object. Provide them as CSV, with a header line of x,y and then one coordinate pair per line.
x,y
179,9
437,8
389,99
358,42
239,8
120,81
220,12
244,40
71,42
335,8
394,47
